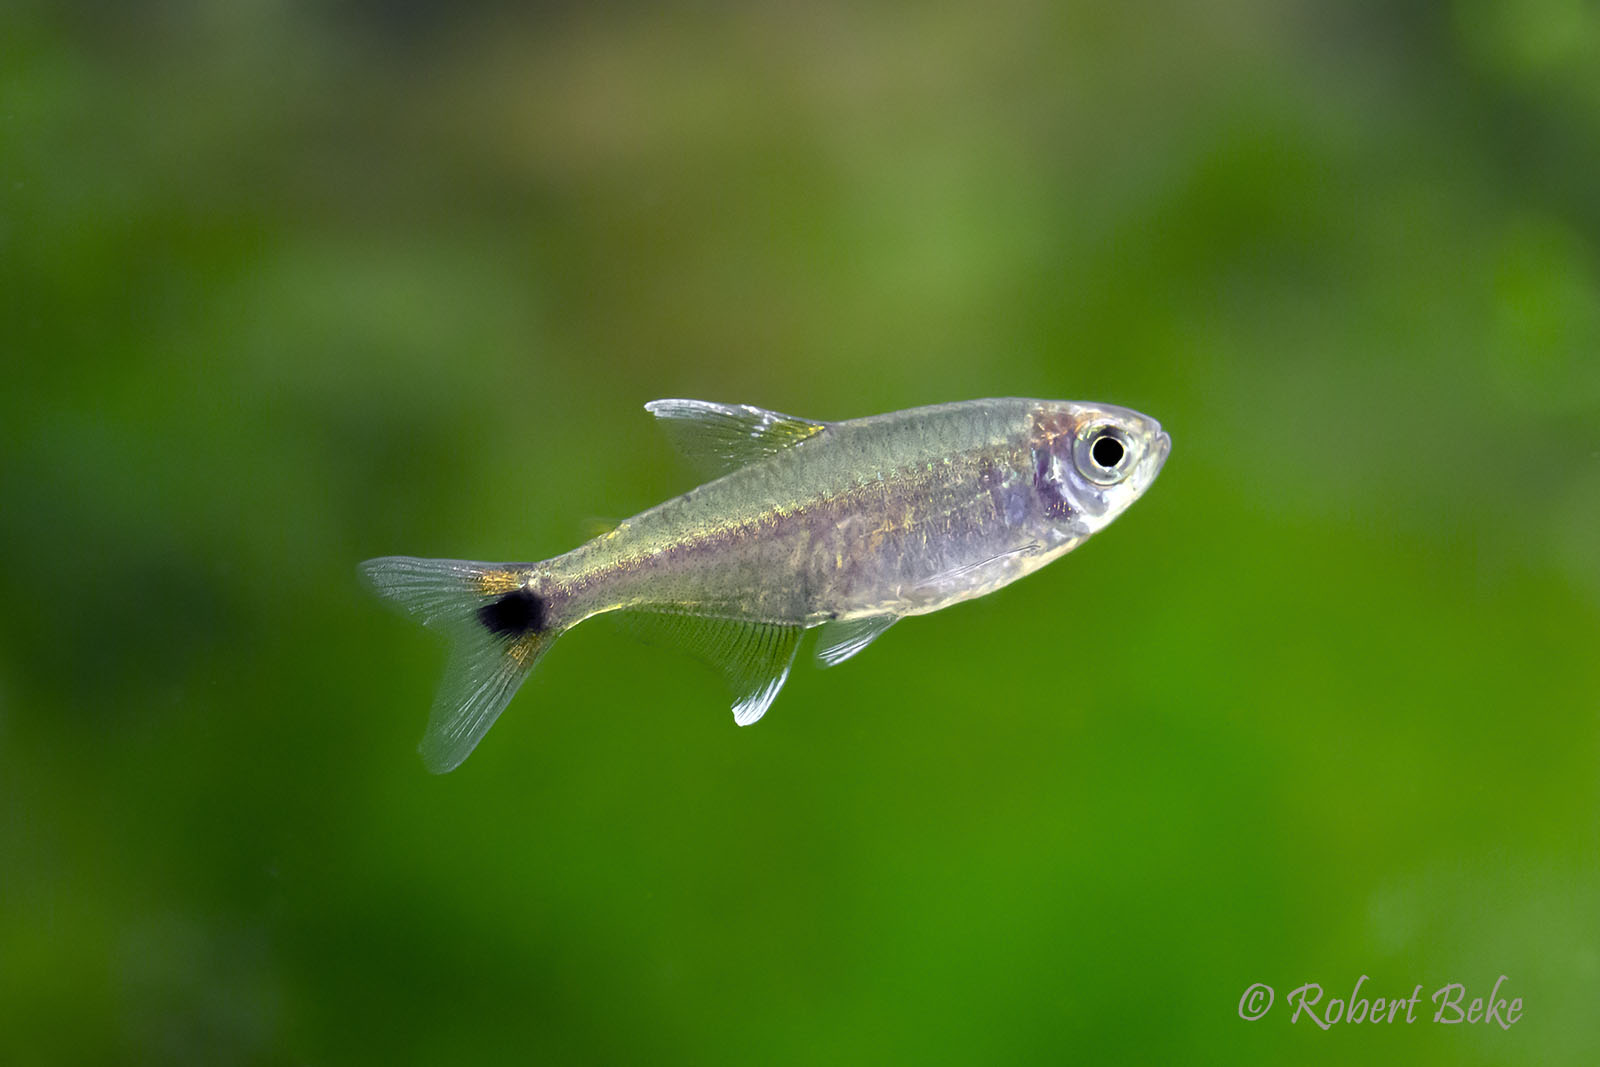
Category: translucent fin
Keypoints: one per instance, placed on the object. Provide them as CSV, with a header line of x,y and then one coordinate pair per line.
x,y
436,592
497,628
944,578
755,657
481,677
843,638
720,437
595,526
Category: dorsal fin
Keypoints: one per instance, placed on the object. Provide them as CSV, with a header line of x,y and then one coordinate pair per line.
x,y
718,438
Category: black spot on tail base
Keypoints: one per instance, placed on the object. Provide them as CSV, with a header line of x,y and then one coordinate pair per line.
x,y
513,615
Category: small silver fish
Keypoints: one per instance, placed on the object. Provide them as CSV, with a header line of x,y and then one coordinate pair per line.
x,y
848,526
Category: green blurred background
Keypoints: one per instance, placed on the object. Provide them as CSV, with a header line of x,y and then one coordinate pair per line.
x,y
288,285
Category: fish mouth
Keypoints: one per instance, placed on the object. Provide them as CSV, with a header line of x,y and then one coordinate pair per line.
x,y
1163,447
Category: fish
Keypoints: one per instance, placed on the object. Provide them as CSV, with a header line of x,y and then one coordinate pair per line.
x,y
846,527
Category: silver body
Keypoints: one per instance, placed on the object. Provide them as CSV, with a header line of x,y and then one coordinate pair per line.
x,y
846,525
898,514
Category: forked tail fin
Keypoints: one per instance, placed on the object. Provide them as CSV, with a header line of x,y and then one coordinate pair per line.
x,y
497,627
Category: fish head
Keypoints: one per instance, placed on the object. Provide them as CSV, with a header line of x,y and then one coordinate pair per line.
x,y
1091,461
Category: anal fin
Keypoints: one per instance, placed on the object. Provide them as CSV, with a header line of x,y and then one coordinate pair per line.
x,y
754,657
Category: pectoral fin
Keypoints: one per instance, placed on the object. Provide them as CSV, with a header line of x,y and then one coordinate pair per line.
x,y
754,657
943,580
718,438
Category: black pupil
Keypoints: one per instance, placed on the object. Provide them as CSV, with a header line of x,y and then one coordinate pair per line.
x,y
1107,451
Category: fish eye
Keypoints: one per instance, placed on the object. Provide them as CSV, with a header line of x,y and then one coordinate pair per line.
x,y
1106,451
1102,454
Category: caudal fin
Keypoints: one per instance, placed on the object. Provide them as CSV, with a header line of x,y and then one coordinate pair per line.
x,y
497,627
